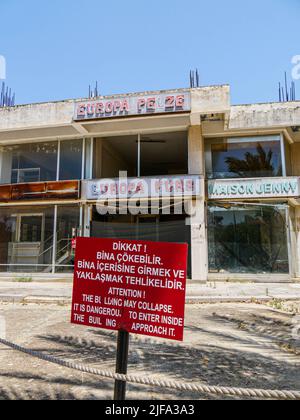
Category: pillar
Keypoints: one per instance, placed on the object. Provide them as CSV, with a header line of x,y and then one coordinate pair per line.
x,y
199,246
5,166
87,218
295,232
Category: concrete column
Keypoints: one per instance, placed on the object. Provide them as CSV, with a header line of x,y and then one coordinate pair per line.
x,y
199,250
296,242
54,240
199,246
196,151
89,144
98,156
5,166
87,209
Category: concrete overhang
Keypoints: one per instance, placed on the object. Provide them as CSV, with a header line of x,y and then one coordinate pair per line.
x,y
277,116
282,114
55,119
210,107
100,128
25,135
256,119
132,125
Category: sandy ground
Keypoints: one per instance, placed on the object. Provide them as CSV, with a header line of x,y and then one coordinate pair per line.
x,y
239,345
18,291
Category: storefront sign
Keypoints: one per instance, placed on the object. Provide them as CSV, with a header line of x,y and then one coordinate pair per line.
x,y
254,188
133,105
132,286
141,188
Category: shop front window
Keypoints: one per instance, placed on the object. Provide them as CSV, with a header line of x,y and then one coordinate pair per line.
x,y
70,166
245,157
39,162
248,239
27,240
29,163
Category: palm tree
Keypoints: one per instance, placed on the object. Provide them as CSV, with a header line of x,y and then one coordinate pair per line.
x,y
254,164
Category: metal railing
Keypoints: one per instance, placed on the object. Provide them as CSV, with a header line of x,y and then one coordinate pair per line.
x,y
64,252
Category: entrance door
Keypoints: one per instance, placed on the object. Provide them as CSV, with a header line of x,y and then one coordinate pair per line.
x,y
26,248
30,229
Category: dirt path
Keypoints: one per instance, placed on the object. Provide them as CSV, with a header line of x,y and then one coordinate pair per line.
x,y
240,345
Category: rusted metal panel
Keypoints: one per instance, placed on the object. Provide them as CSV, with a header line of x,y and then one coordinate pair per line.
x,y
5,192
63,190
58,190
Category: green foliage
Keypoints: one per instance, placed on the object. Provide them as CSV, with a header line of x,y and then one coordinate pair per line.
x,y
24,280
252,163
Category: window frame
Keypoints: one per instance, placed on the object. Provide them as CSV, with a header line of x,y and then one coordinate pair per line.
x,y
239,140
15,173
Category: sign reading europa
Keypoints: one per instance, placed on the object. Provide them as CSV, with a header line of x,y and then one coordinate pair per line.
x,y
133,286
133,105
254,188
138,188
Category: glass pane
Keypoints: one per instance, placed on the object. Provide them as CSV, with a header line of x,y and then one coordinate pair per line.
x,y
26,242
29,163
88,169
246,159
70,160
68,219
31,229
248,240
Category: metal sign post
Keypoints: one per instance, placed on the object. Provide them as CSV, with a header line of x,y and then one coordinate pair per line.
x,y
122,363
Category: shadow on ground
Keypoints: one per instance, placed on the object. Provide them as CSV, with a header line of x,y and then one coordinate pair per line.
x,y
219,364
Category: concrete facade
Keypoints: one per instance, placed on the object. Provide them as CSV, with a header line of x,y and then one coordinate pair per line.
x,y
211,117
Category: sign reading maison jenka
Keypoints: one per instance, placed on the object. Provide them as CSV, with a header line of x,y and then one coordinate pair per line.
x,y
254,188
133,105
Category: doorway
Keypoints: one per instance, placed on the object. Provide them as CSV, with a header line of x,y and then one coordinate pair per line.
x,y
26,246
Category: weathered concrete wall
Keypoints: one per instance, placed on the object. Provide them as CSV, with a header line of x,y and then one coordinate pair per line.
x,y
295,158
203,100
36,115
51,113
211,100
264,116
199,249
199,240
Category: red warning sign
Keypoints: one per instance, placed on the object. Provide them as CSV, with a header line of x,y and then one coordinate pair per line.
x,y
135,286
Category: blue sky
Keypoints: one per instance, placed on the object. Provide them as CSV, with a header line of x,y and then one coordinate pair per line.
x,y
56,48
